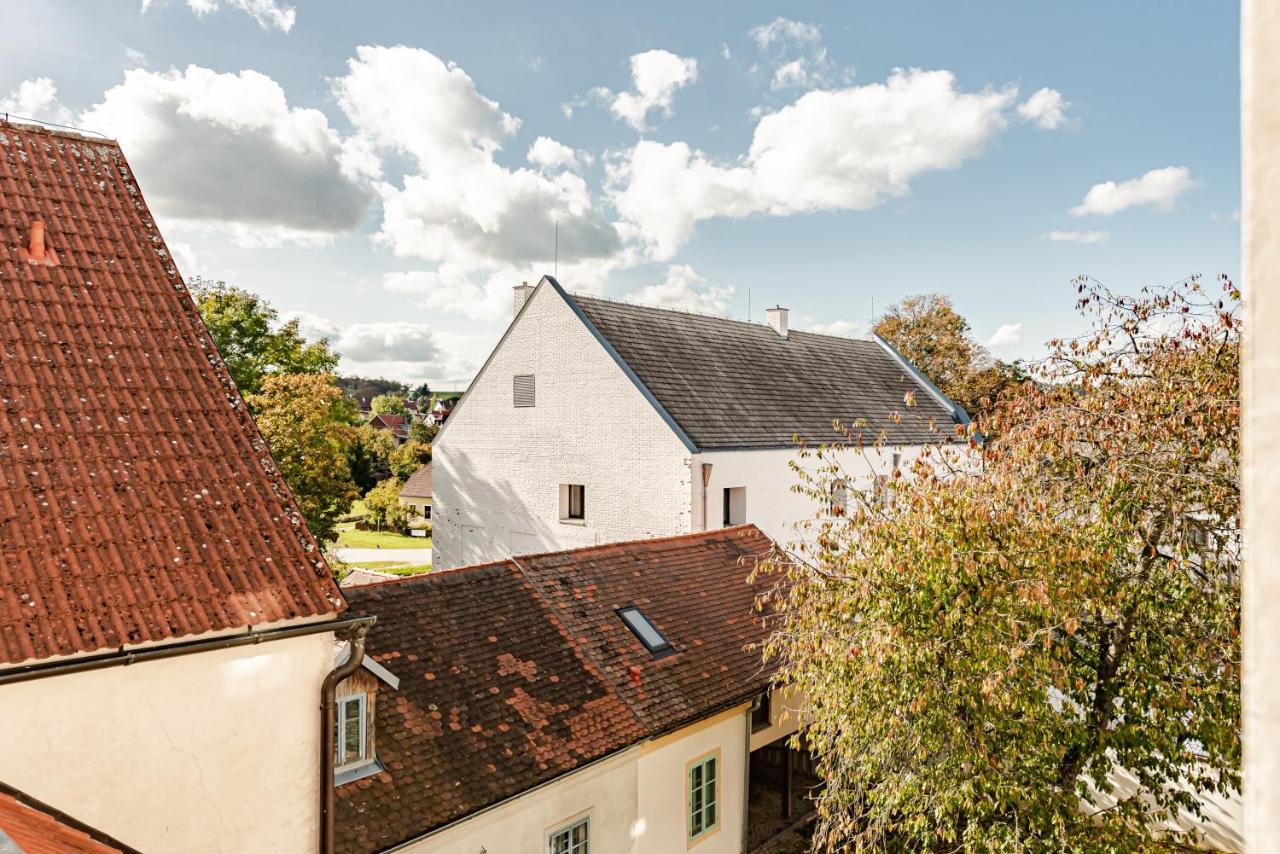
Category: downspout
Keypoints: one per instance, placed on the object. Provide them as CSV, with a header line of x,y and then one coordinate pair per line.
x,y
328,744
746,779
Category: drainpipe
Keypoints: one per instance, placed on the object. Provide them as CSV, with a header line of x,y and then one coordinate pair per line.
x,y
328,709
746,780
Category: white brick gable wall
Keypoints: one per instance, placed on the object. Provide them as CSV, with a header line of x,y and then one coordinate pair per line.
x,y
497,469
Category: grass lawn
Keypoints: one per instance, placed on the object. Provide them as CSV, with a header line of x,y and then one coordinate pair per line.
x,y
416,569
350,538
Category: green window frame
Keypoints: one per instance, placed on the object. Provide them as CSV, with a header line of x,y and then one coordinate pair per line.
x,y
703,804
571,839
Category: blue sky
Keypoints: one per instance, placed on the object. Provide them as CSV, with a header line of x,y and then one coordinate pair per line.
x,y
378,170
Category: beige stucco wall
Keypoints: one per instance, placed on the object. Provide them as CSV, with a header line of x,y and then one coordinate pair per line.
x,y
1260,221
788,711
661,790
605,793
215,751
635,801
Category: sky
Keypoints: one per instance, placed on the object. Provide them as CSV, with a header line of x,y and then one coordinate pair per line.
x,y
387,171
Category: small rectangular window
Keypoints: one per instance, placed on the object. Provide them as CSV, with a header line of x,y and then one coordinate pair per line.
x,y
351,736
643,629
839,504
735,505
523,390
703,791
573,501
760,713
573,839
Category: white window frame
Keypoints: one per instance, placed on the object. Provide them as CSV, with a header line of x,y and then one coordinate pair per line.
x,y
585,848
340,719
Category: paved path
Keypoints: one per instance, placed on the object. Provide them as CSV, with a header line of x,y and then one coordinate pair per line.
x,y
358,557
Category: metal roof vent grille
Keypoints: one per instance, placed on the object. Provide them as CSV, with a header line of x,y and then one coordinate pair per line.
x,y
523,390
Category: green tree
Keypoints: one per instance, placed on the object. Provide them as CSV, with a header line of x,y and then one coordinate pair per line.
x,y
984,641
383,504
929,332
303,417
423,432
252,341
408,458
369,456
388,404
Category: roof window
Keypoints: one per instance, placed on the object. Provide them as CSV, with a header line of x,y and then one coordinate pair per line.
x,y
644,630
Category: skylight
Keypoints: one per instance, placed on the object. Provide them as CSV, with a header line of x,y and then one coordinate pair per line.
x,y
644,630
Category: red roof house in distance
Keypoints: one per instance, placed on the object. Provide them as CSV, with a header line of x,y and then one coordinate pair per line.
x,y
588,694
33,827
140,510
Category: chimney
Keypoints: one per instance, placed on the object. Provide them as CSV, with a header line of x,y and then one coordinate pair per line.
x,y
522,293
778,319
36,252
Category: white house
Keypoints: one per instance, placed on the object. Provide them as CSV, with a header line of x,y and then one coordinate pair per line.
x,y
605,699
596,421
167,622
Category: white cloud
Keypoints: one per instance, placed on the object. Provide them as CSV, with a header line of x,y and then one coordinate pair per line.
x,y
185,258
461,205
401,341
795,52
845,149
134,57
1078,236
484,292
1045,108
1008,335
268,13
410,352
843,328
686,290
36,98
656,75
1159,188
475,219
547,153
249,163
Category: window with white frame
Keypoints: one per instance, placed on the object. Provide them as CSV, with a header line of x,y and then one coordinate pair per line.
x,y
352,736
570,840
704,789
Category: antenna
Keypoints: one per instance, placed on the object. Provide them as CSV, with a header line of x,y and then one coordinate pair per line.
x,y
748,303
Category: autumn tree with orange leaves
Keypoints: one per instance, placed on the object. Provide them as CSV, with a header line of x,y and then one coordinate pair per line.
x,y
996,635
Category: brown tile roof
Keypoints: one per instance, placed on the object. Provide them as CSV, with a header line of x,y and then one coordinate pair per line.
x,y
733,384
692,589
419,484
138,501
506,683
37,828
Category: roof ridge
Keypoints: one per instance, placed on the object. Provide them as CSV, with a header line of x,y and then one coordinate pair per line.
x,y
668,538
706,315
29,123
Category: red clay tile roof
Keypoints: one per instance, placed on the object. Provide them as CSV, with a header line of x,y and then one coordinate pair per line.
x,y
391,422
419,483
138,502
692,589
507,680
37,828
493,700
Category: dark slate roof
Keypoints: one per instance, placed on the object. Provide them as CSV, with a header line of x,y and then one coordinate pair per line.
x,y
37,828
419,484
514,673
138,501
733,384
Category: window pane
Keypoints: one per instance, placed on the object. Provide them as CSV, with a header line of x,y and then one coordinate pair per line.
x,y
711,815
644,629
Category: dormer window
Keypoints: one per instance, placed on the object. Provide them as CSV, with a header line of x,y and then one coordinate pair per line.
x,y
352,738
355,700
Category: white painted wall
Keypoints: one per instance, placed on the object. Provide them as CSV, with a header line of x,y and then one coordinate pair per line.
x,y
768,477
215,751
497,469
605,793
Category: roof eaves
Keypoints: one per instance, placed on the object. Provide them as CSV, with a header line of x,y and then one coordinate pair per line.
x,y
622,363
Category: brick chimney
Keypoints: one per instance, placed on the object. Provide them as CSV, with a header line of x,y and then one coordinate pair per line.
x,y
778,319
522,293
